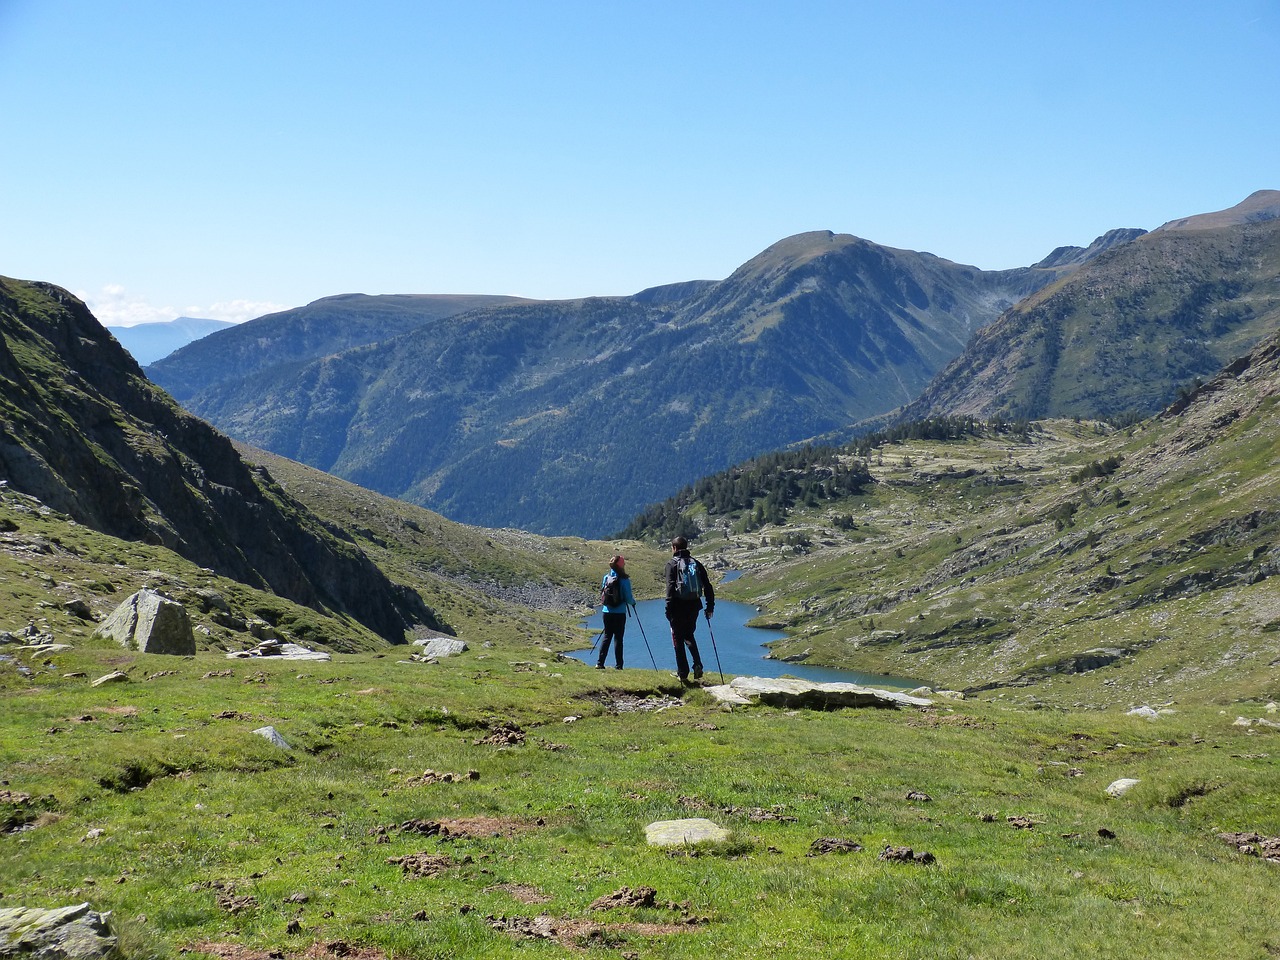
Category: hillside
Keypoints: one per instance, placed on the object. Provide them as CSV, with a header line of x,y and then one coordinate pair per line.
x,y
571,416
87,436
1130,329
275,344
1063,561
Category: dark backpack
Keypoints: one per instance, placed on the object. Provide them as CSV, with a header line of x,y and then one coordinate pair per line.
x,y
611,594
688,583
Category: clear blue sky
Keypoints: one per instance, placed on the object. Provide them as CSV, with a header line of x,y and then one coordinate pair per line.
x,y
225,159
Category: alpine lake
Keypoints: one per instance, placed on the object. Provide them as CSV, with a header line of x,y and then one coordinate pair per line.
x,y
737,649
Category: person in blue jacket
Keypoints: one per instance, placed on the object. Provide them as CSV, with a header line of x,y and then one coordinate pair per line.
x,y
615,613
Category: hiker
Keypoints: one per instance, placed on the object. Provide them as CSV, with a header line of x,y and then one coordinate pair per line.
x,y
687,584
616,596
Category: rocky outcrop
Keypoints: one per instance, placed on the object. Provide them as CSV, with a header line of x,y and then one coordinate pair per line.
x,y
150,622
792,693
64,933
90,437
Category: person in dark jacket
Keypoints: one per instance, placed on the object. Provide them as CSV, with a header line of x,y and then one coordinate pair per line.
x,y
615,616
687,585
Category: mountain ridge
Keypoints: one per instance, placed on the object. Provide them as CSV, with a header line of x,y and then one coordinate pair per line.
x,y
513,414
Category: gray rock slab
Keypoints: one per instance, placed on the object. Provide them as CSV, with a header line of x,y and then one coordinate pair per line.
x,y
276,650
273,735
676,833
437,648
63,933
789,692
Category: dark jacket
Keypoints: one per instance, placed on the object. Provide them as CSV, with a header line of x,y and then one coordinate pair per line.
x,y
673,589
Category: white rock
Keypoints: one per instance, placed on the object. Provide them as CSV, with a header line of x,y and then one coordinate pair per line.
x,y
1119,788
1148,712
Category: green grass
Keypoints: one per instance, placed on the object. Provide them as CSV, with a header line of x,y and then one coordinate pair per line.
x,y
192,806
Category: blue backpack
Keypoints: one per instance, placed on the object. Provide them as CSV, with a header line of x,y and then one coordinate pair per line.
x,y
688,584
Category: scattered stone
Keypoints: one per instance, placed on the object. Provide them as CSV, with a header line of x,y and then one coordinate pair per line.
x,y
506,734
1022,822
274,737
1118,788
825,845
625,897
906,855
424,864
294,927
233,904
214,674
674,833
434,776
116,676
63,933
150,622
791,693
280,651
917,797
1254,845
1106,834
1144,711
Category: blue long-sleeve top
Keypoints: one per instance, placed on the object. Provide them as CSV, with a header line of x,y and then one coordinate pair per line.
x,y
628,598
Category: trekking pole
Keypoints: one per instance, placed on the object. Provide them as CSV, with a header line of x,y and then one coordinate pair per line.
x,y
646,639
713,646
597,640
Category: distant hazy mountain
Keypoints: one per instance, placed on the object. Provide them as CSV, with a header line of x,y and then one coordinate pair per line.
x,y
1131,328
570,416
318,329
84,432
148,342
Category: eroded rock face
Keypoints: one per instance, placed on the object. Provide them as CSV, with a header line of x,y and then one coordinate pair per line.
x,y
63,933
150,622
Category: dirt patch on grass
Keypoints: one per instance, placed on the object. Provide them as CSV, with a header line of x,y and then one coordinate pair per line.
x,y
426,864
480,827
1254,845
580,934
521,891
618,701
333,950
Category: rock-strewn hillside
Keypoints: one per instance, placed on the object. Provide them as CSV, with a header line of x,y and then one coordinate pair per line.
x,y
1084,563
86,434
1130,329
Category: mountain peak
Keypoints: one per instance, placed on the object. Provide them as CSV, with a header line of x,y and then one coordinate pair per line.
x,y
1259,206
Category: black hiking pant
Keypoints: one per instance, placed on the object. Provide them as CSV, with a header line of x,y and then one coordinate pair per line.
x,y
615,625
683,618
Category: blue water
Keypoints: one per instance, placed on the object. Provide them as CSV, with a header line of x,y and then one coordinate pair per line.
x,y
740,647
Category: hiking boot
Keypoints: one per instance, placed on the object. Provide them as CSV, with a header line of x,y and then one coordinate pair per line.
x,y
599,666
618,667
697,673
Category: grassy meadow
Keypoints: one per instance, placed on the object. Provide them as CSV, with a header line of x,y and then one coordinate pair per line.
x,y
479,807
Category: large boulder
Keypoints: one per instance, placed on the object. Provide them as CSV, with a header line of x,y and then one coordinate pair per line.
x,y
793,693
150,622
64,933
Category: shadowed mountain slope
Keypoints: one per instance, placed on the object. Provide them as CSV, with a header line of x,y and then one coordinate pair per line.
x,y
1130,328
89,436
570,416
